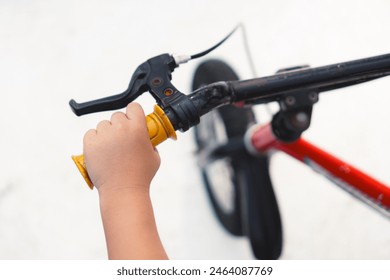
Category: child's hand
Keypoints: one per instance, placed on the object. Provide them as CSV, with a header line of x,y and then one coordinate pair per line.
x,y
118,153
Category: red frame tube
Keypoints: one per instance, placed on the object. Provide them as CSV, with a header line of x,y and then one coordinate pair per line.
x,y
262,140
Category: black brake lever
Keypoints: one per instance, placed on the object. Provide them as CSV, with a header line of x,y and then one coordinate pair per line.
x,y
136,87
154,76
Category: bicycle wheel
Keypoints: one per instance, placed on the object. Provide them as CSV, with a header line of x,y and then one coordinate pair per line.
x,y
238,186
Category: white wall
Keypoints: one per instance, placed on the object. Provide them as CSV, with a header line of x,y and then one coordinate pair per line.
x,y
52,51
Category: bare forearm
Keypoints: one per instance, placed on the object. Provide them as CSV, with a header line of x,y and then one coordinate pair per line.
x,y
129,225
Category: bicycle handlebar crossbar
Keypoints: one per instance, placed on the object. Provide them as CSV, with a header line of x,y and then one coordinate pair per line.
x,y
272,88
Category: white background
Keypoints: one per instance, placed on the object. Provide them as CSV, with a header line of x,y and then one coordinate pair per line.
x,y
52,51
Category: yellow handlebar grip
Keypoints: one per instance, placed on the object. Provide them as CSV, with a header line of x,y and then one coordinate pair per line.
x,y
80,163
159,126
159,129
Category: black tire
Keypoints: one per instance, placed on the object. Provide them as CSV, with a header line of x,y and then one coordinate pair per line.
x,y
252,208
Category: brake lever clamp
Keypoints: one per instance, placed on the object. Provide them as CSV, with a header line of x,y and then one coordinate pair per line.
x,y
154,76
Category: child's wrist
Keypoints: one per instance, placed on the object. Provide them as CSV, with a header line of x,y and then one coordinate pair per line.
x,y
123,197
123,189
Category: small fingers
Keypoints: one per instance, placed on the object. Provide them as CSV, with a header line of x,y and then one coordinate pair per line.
x,y
88,135
118,117
134,111
102,125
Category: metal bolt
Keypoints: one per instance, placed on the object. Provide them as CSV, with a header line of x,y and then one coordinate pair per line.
x,y
313,96
168,92
157,81
290,100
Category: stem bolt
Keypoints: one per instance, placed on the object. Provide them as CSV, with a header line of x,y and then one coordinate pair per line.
x,y
290,100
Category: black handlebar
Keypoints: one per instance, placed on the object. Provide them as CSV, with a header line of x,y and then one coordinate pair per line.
x,y
320,79
273,88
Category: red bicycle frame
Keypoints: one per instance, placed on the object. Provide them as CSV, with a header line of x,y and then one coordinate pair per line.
x,y
260,139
